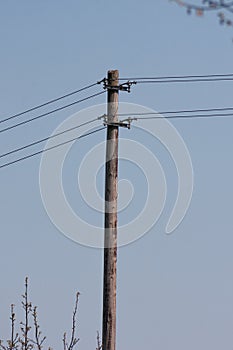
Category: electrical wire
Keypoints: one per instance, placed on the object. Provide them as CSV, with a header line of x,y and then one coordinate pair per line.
x,y
181,77
179,111
50,112
158,116
48,102
46,138
198,80
50,148
139,80
97,130
202,116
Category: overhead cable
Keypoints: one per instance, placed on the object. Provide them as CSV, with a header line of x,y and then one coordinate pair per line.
x,y
229,75
48,102
50,112
45,139
50,148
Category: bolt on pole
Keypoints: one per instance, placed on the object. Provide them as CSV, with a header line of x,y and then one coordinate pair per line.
x,y
110,233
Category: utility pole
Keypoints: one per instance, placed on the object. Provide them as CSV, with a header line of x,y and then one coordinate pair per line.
x,y
110,233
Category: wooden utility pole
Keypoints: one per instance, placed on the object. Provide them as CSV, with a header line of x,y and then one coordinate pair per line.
x,y
110,247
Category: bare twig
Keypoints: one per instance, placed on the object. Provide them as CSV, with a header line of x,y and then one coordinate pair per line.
x,y
38,340
99,346
24,326
73,339
65,345
221,6
12,343
24,341
2,346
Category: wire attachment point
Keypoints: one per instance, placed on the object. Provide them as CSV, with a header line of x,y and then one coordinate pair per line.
x,y
101,81
126,123
122,87
127,86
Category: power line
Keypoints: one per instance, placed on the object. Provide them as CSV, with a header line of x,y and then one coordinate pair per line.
x,y
158,116
46,138
201,116
50,148
48,102
178,111
229,75
50,112
212,77
198,80
139,80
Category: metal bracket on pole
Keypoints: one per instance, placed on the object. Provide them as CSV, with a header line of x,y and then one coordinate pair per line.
x,y
126,123
122,87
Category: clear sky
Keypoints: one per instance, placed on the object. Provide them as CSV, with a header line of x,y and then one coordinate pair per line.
x,y
174,292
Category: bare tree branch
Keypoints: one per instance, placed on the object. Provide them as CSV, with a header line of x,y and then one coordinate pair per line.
x,y
38,340
65,345
73,339
12,343
2,346
220,6
99,345
24,326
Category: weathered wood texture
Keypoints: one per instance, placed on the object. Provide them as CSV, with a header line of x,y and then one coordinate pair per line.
x,y
110,250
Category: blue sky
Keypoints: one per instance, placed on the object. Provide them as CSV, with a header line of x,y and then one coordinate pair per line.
x,y
173,291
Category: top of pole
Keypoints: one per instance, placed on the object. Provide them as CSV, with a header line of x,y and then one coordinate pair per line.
x,y
113,76
113,71
113,91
